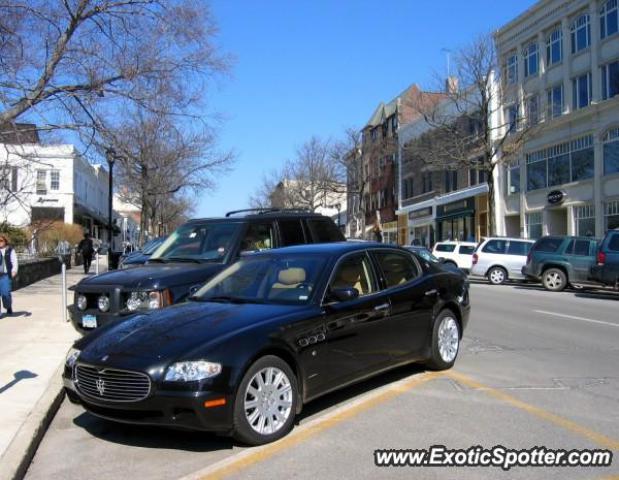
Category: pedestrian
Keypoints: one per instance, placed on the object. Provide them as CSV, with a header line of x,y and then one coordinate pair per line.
x,y
87,249
8,271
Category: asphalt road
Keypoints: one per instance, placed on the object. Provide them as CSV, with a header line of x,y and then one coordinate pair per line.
x,y
535,369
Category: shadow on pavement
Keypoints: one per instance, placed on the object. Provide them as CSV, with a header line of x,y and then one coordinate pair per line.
x,y
613,296
18,376
196,441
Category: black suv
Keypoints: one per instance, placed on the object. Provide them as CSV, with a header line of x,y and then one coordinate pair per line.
x,y
190,256
606,270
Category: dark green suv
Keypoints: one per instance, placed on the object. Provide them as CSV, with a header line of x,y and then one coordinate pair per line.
x,y
560,261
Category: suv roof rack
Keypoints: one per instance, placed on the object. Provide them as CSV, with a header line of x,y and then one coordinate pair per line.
x,y
262,211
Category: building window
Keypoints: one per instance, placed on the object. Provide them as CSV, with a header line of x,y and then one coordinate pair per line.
x,y
611,215
609,22
533,110
426,182
41,182
54,180
581,91
554,47
511,116
580,33
451,180
560,164
511,69
514,177
534,225
610,80
611,151
394,123
531,61
373,134
555,101
585,220
477,174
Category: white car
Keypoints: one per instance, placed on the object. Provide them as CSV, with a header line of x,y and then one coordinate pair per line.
x,y
500,259
459,254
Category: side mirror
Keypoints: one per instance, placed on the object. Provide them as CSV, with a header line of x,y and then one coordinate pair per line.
x,y
343,294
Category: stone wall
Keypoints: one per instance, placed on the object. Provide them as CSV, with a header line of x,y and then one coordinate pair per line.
x,y
31,272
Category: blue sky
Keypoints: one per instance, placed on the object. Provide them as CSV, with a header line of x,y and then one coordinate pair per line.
x,y
316,67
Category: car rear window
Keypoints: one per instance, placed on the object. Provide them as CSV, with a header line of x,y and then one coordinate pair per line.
x,y
614,243
580,247
467,250
324,231
441,247
548,244
518,248
495,246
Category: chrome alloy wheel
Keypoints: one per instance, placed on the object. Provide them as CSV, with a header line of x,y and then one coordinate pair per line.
x,y
448,338
553,280
497,276
268,400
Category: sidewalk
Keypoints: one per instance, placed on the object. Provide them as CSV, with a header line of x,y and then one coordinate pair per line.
x,y
32,349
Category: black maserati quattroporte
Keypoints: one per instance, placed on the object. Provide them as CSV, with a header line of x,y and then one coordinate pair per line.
x,y
268,334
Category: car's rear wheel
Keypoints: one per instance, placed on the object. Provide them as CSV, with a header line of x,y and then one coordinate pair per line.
x,y
554,279
497,275
445,341
266,402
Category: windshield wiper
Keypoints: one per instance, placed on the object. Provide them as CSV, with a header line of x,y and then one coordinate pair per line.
x,y
158,260
183,259
227,298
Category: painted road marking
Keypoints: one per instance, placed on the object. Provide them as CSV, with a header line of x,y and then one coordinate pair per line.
x,y
251,456
572,317
595,437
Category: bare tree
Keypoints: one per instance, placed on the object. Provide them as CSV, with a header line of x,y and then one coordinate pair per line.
x,y
64,62
468,129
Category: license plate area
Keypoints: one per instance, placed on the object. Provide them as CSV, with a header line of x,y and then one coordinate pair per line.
x,y
89,321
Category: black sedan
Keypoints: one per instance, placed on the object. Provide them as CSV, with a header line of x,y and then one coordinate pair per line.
x,y
268,334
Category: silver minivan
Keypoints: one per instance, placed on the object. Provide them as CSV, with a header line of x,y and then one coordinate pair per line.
x,y
500,259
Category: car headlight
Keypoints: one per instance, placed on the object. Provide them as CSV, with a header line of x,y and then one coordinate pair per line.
x,y
82,302
104,303
148,300
192,371
72,356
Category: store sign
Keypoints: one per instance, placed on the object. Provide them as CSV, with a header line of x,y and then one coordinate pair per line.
x,y
424,212
555,197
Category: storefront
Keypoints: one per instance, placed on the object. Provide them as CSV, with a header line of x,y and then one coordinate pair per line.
x,y
421,227
456,220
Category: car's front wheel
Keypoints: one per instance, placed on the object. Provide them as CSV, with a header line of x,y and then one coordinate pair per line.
x,y
554,279
497,276
445,341
266,402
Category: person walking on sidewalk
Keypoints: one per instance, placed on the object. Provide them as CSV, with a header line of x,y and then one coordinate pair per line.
x,y
87,249
8,271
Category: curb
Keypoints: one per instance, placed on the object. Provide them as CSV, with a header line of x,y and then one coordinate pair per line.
x,y
20,452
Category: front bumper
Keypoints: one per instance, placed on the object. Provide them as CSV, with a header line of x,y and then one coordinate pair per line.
x,y
77,316
177,409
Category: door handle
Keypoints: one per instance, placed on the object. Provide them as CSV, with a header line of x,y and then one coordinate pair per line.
x,y
381,307
429,293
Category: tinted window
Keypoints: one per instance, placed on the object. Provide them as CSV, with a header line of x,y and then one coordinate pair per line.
x,y
548,244
614,243
208,242
259,236
441,247
324,231
581,247
354,272
495,246
467,250
291,232
518,248
397,268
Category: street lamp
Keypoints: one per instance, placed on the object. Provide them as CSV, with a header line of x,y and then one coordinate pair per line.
x,y
111,156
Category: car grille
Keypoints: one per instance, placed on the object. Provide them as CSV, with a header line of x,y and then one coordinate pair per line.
x,y
112,384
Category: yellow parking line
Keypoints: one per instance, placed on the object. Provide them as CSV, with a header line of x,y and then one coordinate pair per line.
x,y
595,437
252,456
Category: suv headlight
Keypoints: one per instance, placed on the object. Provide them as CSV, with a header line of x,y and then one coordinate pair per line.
x,y
72,356
148,300
82,302
104,303
192,371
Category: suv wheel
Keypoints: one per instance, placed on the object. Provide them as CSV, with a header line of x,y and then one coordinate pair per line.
x,y
497,275
266,402
554,279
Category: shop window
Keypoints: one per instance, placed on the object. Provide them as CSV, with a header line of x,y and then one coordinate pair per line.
x,y
611,215
584,216
534,225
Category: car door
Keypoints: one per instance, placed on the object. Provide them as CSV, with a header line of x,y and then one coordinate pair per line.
x,y
355,329
465,256
412,297
580,255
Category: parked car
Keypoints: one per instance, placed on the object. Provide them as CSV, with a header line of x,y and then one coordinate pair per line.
x,y
426,254
500,259
606,269
140,257
190,256
560,261
267,335
459,254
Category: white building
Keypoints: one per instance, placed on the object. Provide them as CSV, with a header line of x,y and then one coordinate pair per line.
x,y
52,183
560,70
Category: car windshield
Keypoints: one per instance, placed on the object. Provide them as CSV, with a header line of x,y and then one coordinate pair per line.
x,y
265,279
152,245
208,242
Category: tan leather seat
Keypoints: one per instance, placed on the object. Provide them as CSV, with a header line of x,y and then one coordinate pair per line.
x,y
287,279
351,276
